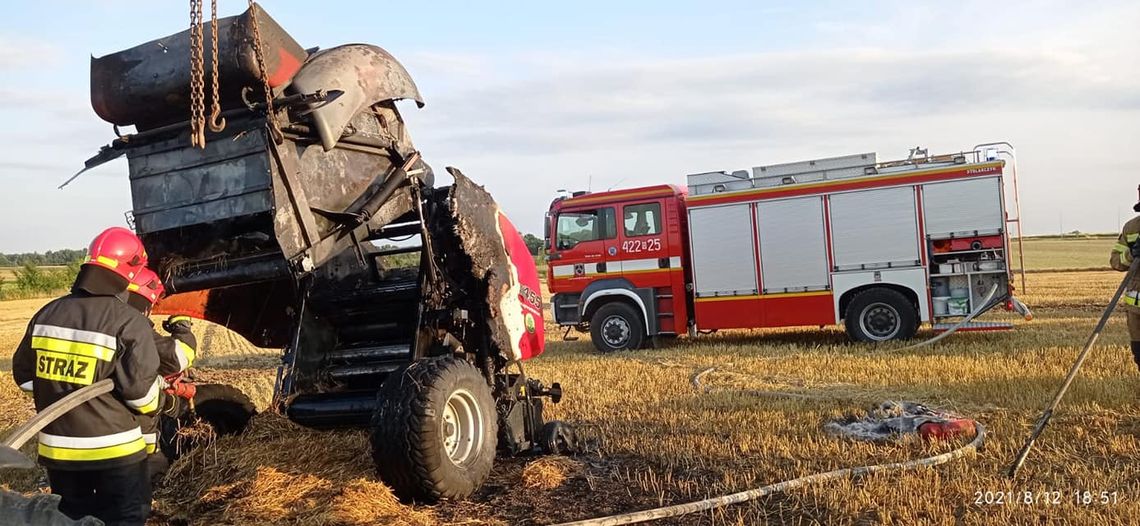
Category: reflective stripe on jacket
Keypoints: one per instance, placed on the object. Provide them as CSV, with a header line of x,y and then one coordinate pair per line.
x,y
1121,259
73,342
176,352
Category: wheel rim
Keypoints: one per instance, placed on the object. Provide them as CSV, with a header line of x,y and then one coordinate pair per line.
x,y
616,331
880,321
462,429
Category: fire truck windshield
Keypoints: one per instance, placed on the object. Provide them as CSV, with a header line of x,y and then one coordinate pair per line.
x,y
584,225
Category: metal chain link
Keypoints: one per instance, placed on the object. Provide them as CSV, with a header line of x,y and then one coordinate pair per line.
x,y
197,84
259,53
216,111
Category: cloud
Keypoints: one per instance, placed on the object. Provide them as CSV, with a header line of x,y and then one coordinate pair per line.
x,y
653,120
23,52
781,96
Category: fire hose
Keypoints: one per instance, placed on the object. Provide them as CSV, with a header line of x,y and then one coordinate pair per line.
x,y
779,487
1047,414
986,305
10,455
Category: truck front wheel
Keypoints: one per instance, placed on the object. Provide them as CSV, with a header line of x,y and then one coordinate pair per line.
x,y
434,430
616,326
880,314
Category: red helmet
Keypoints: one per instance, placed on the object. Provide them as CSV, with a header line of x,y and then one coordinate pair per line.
x,y
147,285
118,250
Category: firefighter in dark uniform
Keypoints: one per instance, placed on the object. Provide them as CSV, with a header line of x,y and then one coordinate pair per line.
x,y
1127,249
95,453
176,353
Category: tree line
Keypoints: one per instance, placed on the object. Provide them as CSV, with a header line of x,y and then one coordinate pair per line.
x,y
30,279
49,258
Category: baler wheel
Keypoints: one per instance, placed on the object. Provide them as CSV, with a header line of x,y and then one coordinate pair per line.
x,y
434,430
224,407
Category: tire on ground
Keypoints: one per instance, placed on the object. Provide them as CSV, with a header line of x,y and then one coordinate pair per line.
x,y
423,449
881,314
224,407
617,326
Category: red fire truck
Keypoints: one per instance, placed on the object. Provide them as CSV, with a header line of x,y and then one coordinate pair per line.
x,y
879,246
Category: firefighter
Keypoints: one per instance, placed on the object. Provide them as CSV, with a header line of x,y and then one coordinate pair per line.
x,y
175,353
1128,248
95,453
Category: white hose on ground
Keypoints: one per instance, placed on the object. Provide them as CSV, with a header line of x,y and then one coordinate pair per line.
x,y
696,381
753,494
985,307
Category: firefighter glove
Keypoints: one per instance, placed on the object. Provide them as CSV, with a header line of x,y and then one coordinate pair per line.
x,y
177,324
1135,249
180,389
171,405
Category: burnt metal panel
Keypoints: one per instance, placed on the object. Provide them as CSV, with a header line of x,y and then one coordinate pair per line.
x,y
363,74
147,85
175,186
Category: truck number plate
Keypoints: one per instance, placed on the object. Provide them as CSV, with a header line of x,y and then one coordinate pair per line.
x,y
641,245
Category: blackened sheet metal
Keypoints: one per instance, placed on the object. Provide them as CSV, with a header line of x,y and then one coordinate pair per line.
x,y
365,75
476,217
174,185
147,85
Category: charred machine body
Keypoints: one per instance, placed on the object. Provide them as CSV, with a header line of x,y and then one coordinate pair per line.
x,y
281,223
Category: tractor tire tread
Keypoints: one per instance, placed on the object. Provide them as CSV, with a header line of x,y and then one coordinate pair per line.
x,y
405,434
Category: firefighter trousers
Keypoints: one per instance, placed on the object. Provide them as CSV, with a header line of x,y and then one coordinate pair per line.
x,y
1134,335
117,496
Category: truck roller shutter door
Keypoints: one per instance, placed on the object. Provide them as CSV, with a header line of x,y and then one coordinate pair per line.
x,y
724,263
875,229
963,207
792,245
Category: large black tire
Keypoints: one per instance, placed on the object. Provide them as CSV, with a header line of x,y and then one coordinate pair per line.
x,y
224,407
880,314
434,430
617,326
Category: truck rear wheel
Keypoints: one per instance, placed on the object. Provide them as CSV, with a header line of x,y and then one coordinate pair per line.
x,y
881,314
434,430
616,326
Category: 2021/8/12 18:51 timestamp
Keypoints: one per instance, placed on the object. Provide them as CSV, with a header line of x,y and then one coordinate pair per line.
x,y
1046,498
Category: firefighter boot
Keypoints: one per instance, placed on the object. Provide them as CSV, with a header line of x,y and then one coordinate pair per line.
x,y
1136,353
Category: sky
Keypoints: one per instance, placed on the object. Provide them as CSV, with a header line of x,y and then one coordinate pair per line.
x,y
531,97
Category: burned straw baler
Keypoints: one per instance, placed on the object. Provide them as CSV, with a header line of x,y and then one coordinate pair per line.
x,y
310,223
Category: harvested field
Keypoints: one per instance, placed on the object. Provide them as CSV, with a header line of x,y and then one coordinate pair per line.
x,y
1055,253
662,442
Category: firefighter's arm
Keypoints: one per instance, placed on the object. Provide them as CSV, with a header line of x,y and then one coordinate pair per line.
x,y
183,340
176,353
24,361
136,373
1121,257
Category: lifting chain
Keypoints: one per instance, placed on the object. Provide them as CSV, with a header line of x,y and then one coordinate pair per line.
x,y
259,53
197,84
216,109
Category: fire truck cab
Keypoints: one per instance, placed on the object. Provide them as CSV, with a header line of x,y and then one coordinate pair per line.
x,y
881,247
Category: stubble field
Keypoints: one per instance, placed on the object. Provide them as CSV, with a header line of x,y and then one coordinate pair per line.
x,y
662,442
